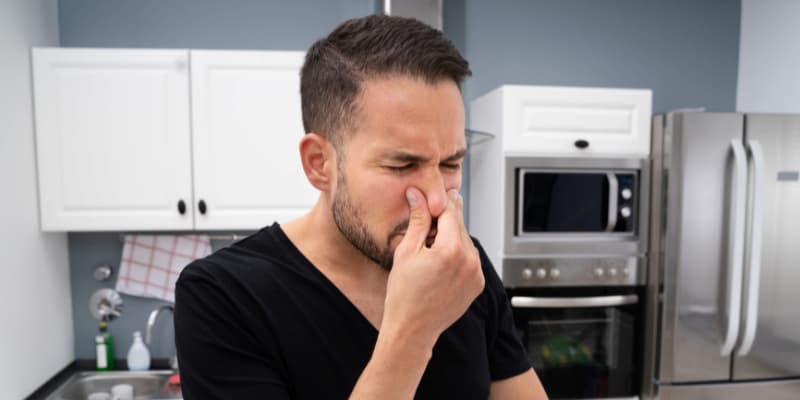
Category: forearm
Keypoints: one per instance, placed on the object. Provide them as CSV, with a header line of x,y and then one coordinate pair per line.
x,y
395,369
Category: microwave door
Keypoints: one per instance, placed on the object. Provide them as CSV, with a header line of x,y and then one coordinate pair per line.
x,y
565,202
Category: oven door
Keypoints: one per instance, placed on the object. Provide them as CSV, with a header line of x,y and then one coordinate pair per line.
x,y
584,343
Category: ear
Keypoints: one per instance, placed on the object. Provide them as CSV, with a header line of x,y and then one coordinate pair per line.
x,y
318,159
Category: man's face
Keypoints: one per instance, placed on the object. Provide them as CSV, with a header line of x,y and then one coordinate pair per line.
x,y
408,133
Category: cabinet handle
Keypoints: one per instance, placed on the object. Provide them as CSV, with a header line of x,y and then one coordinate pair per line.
x,y
581,144
181,207
201,205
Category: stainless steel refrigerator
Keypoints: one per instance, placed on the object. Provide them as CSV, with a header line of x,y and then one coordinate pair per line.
x,y
725,247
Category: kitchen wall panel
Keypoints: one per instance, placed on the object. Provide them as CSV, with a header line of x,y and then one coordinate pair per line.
x,y
36,328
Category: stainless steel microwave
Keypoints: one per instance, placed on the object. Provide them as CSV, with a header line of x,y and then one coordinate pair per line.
x,y
576,200
575,206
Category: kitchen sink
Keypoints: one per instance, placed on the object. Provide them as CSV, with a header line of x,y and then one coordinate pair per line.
x,y
147,385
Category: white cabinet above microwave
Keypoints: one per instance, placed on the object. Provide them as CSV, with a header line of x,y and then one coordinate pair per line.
x,y
565,121
151,139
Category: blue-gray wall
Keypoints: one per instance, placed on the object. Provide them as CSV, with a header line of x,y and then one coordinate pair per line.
x,y
88,250
203,24
685,50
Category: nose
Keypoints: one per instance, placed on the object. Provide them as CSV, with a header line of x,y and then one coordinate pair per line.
x,y
435,192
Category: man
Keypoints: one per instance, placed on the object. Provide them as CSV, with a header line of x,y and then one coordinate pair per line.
x,y
378,292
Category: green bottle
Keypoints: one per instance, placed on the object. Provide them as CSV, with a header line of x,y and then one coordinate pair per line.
x,y
104,345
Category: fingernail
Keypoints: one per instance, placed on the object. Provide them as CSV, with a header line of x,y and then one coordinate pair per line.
x,y
453,194
412,198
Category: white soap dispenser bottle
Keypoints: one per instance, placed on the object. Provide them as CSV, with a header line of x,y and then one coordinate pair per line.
x,y
138,355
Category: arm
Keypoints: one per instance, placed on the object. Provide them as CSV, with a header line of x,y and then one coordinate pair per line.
x,y
428,290
525,386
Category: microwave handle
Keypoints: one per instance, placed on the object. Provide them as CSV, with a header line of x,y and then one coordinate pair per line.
x,y
573,302
613,209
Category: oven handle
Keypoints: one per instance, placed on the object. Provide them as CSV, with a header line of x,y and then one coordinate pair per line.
x,y
613,209
573,302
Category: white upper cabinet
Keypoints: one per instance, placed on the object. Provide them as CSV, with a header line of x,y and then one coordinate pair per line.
x,y
113,139
566,121
132,140
246,125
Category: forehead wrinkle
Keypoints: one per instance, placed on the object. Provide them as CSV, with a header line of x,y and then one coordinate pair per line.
x,y
404,156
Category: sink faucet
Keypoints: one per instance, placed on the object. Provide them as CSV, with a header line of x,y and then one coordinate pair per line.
x,y
151,321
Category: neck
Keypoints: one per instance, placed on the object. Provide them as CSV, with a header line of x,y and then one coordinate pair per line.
x,y
316,236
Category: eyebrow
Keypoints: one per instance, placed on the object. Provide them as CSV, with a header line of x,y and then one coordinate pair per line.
x,y
401,156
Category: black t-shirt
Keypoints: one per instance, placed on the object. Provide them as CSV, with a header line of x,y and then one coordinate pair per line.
x,y
257,320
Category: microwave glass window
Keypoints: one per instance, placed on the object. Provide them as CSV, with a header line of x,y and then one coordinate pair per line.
x,y
564,202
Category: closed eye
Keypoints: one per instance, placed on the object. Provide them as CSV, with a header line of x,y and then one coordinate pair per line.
x,y
451,166
401,168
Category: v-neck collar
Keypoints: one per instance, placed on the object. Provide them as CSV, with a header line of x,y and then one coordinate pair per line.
x,y
322,279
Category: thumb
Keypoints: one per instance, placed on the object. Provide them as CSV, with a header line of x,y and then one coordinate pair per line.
x,y
419,222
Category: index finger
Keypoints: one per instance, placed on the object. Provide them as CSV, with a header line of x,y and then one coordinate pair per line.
x,y
450,224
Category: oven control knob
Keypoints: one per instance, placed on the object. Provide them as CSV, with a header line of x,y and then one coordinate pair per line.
x,y
625,212
612,272
527,273
541,273
626,193
626,271
555,273
598,272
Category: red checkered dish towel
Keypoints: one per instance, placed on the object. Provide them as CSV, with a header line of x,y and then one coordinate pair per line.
x,y
151,264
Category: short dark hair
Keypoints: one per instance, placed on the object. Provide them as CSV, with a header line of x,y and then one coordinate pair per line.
x,y
370,47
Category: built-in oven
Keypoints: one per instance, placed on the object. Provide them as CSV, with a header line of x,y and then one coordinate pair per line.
x,y
584,343
573,262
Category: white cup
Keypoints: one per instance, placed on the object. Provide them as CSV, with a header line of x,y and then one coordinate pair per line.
x,y
99,396
122,392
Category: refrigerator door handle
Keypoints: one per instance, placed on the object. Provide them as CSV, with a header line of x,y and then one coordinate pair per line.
x,y
613,209
754,259
735,247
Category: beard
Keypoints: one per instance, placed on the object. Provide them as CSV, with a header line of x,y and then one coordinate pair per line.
x,y
348,219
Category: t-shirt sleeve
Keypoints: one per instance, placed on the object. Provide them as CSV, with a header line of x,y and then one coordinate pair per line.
x,y
507,356
218,356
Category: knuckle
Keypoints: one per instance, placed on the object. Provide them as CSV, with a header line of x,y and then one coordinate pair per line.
x,y
452,252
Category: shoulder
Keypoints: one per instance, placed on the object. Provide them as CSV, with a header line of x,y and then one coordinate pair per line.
x,y
257,259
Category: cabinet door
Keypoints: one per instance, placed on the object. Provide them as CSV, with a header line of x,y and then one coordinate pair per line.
x,y
246,126
576,121
113,139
